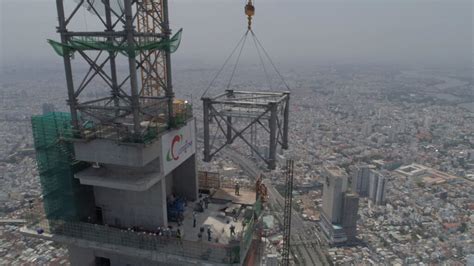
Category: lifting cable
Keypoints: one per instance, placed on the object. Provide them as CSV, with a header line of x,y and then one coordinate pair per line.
x,y
270,60
249,11
225,63
238,58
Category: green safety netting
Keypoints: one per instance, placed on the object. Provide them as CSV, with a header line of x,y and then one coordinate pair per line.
x,y
63,196
100,44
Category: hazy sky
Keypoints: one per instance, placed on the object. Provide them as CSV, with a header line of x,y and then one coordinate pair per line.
x,y
340,31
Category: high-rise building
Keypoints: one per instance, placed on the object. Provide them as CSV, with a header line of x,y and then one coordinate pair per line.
x,y
360,180
118,173
339,211
334,186
349,215
377,188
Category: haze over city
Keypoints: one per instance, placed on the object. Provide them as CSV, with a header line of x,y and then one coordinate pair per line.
x,y
325,132
418,32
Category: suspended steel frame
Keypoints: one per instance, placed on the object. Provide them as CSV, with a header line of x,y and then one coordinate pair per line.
x,y
270,110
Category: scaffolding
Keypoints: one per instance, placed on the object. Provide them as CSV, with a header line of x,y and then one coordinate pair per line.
x,y
64,198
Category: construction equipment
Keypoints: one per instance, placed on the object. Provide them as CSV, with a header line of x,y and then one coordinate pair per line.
x,y
268,110
250,12
287,213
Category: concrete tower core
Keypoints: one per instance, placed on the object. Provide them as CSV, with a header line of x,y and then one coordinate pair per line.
x,y
133,181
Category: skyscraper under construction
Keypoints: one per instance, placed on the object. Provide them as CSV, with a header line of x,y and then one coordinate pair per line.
x,y
118,172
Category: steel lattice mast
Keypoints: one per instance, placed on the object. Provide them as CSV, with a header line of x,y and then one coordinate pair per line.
x,y
136,100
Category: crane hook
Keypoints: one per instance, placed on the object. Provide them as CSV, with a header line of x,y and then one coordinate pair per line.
x,y
249,11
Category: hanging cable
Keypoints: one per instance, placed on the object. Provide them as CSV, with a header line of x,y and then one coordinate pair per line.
x,y
238,59
271,61
225,63
267,77
250,12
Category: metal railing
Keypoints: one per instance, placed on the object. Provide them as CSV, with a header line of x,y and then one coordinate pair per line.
x,y
199,250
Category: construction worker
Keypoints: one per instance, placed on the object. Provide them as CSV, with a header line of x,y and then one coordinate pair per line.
x,y
206,202
178,233
232,230
237,188
179,236
209,234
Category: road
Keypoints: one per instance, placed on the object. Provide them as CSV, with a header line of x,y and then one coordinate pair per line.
x,y
305,241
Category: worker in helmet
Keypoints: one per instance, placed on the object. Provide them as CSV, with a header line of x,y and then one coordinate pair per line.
x,y
237,188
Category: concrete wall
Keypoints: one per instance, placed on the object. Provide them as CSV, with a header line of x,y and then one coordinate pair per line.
x,y
169,184
185,179
111,152
81,256
145,209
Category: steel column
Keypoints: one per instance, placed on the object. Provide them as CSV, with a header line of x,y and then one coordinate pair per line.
x,y
286,121
132,66
169,83
72,100
207,149
273,135
229,130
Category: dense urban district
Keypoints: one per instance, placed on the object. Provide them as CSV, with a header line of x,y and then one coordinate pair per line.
x,y
394,144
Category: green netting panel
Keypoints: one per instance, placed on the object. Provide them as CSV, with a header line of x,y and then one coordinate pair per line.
x,y
63,196
246,239
100,44
257,207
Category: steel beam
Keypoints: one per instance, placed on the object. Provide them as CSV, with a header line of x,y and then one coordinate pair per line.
x,y
258,93
115,34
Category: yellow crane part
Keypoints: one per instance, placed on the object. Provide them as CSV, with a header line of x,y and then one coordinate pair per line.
x,y
250,12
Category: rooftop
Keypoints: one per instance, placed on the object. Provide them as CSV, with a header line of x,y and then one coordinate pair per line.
x,y
224,210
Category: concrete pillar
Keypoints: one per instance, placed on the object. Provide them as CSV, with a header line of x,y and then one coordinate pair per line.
x,y
185,179
163,209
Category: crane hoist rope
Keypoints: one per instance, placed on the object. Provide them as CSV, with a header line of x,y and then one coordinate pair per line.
x,y
261,52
